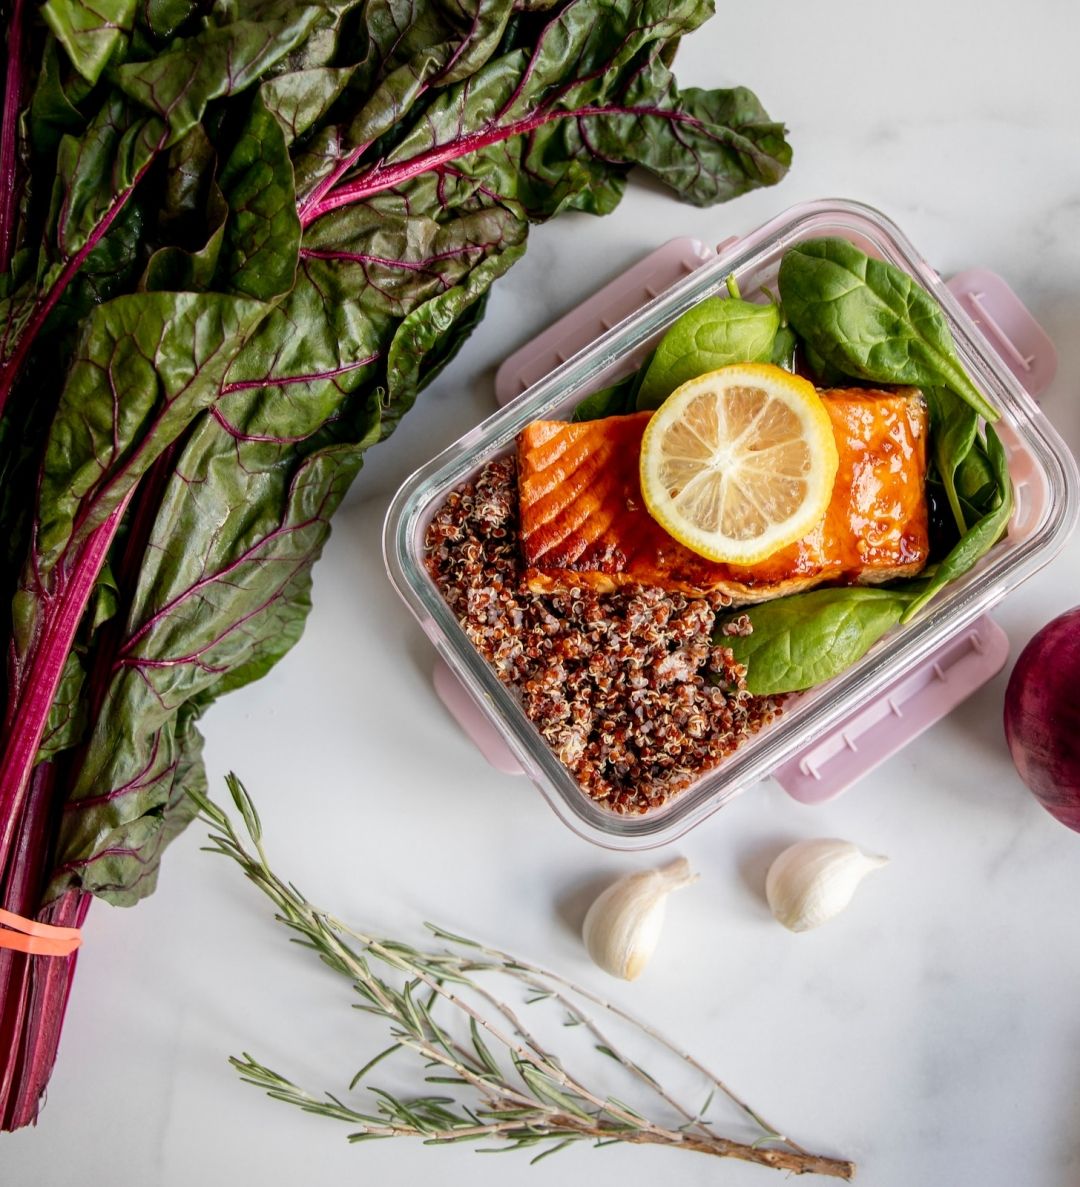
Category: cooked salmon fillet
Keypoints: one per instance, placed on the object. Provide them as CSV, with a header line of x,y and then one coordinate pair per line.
x,y
584,522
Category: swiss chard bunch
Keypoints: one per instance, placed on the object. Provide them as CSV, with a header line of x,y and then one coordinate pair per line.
x,y
238,238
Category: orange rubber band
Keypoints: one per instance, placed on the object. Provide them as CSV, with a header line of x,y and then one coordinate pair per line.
x,y
37,939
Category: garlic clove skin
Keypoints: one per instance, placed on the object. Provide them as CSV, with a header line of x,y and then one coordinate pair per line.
x,y
812,881
623,925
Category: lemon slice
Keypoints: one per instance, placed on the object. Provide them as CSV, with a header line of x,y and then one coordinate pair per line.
x,y
739,462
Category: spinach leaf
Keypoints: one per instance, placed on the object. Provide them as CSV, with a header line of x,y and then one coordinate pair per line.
x,y
808,638
977,541
953,428
615,400
977,484
618,399
715,333
871,320
823,372
783,351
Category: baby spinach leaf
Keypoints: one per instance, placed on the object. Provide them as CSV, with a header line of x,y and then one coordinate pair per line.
x,y
977,541
871,320
615,400
977,484
823,372
714,333
953,428
783,351
808,638
618,399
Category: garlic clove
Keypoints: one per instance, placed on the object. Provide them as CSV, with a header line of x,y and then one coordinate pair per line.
x,y
623,925
811,881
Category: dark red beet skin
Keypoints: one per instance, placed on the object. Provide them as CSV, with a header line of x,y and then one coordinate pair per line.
x,y
1042,717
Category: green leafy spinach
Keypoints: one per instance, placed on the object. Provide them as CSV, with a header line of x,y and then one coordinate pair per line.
x,y
983,534
871,320
808,638
717,332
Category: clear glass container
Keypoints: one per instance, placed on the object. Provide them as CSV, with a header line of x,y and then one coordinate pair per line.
x,y
1043,470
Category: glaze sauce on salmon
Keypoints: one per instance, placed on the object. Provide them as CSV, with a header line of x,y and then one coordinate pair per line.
x,y
584,522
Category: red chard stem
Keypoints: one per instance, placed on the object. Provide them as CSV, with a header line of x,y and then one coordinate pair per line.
x,y
9,126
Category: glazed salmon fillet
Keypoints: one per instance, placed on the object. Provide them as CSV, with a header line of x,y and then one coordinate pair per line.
x,y
584,522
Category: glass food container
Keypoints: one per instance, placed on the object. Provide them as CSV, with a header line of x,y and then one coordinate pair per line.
x,y
1043,471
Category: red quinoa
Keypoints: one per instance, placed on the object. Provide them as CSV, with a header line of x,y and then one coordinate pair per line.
x,y
627,688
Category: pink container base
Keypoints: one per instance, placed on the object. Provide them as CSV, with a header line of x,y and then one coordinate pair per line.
x,y
832,762
914,703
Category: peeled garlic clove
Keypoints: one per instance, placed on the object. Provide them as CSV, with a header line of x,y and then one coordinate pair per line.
x,y
812,881
623,925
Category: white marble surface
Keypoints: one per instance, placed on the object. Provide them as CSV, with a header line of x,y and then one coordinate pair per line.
x,y
932,1033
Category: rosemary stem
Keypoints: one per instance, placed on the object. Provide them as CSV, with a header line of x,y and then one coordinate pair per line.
x,y
545,1105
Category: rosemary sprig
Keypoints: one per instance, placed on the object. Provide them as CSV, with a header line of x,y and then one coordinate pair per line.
x,y
496,1082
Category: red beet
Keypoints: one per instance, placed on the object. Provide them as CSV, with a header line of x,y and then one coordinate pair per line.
x,y
1042,717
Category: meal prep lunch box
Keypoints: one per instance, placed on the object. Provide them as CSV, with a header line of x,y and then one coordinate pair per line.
x,y
829,736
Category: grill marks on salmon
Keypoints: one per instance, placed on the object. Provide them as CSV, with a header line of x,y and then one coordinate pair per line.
x,y
584,522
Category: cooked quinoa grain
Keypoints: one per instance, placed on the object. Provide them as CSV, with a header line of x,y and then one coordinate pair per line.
x,y
627,688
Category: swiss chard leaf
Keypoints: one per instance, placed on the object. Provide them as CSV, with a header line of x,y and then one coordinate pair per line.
x,y
411,50
190,169
224,584
159,21
726,142
246,606
68,714
54,108
262,231
568,144
301,98
97,173
91,34
225,589
176,86
160,357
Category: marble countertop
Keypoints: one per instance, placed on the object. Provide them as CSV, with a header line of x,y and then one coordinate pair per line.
x,y
932,1033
